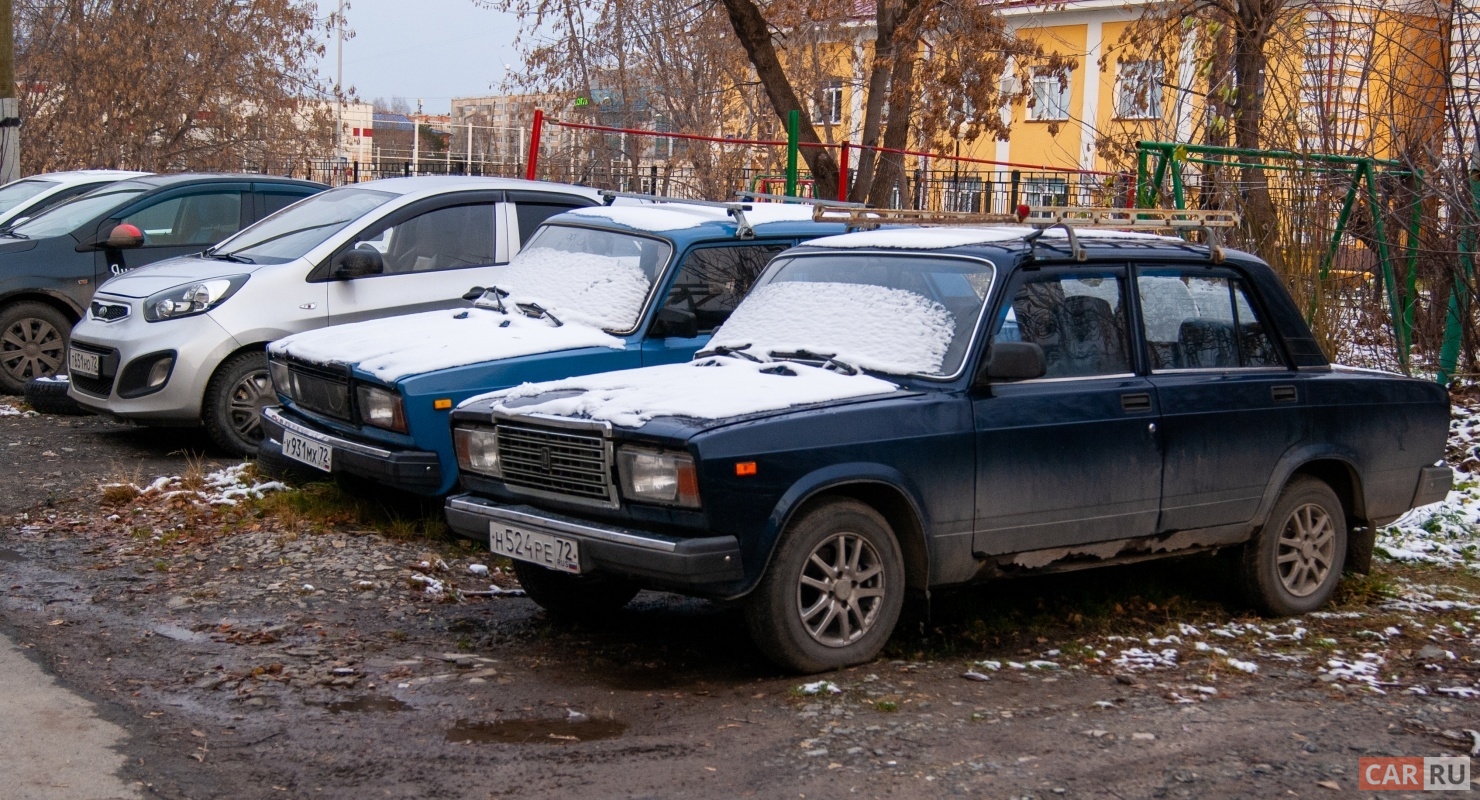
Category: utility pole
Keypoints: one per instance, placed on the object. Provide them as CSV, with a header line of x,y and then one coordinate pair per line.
x,y
10,112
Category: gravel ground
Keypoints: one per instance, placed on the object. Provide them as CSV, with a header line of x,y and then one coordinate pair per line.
x,y
253,654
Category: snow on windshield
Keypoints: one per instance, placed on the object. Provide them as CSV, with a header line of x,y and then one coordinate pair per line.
x,y
873,327
394,347
602,291
710,388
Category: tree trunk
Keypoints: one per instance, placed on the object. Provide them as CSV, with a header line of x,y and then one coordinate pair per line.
x,y
1261,221
755,36
896,129
878,89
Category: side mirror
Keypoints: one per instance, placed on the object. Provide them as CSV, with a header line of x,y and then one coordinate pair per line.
x,y
357,263
675,322
124,237
1011,361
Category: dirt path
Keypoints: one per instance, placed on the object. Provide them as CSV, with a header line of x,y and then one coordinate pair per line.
x,y
271,663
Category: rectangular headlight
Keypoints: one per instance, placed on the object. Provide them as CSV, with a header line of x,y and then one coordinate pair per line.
x,y
477,450
654,477
281,378
381,408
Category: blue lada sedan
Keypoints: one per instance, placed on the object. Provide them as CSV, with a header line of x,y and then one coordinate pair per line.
x,y
902,410
592,290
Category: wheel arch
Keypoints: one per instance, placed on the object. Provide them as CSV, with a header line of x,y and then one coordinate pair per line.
x,y
56,300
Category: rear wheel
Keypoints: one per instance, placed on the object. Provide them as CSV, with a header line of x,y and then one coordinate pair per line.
x,y
833,592
574,596
235,397
1294,563
33,344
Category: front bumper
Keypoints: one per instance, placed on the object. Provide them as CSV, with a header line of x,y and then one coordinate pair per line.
x,y
199,344
709,563
410,470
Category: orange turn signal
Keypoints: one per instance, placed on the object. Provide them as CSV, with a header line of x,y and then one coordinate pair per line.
x,y
744,468
442,403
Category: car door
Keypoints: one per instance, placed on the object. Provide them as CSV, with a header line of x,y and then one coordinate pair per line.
x,y
709,283
1230,405
177,222
432,252
1070,458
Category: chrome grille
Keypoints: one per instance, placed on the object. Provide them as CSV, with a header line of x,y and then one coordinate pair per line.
x,y
108,312
319,393
569,465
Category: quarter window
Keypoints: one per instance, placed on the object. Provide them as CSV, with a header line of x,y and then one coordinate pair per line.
x,y
713,280
1201,322
1079,321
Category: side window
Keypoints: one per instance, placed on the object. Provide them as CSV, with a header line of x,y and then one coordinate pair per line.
x,y
713,280
1196,321
1078,319
532,214
444,238
196,219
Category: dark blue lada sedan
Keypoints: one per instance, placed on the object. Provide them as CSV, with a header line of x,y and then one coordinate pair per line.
x,y
906,409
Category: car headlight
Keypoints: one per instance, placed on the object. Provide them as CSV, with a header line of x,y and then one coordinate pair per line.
x,y
191,298
654,477
477,450
281,378
382,409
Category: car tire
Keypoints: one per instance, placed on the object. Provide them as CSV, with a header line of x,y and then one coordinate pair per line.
x,y
235,397
1293,564
574,596
49,396
33,344
808,614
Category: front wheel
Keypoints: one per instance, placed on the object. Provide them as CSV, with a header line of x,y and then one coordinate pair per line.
x,y
574,596
833,592
235,397
33,344
1293,564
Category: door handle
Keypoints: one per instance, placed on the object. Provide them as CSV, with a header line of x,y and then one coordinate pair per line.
x,y
1135,403
1283,394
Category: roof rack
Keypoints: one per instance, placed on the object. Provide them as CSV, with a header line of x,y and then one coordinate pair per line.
x,y
1041,218
784,198
743,230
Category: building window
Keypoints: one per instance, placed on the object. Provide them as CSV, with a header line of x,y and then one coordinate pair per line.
x,y
1050,97
827,108
1139,90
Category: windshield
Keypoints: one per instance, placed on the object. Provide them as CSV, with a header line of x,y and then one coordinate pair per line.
x,y
896,314
301,227
69,216
598,277
13,194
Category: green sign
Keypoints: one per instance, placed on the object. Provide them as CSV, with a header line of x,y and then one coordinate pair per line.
x,y
581,101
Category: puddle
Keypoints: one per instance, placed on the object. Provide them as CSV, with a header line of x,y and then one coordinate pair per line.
x,y
536,731
179,634
366,705
11,556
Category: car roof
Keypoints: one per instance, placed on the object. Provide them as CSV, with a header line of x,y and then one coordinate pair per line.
x,y
85,175
1008,243
684,223
175,179
439,184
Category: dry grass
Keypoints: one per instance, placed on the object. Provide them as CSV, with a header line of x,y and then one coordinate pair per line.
x,y
324,507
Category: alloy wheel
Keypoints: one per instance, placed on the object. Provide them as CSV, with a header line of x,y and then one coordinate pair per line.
x,y
1307,550
31,348
841,590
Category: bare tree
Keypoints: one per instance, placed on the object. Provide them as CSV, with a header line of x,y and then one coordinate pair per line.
x,y
171,84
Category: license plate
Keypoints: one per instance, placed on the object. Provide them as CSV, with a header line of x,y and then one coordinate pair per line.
x,y
81,362
308,451
555,552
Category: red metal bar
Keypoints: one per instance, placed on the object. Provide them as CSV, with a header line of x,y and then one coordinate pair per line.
x,y
534,144
689,136
843,172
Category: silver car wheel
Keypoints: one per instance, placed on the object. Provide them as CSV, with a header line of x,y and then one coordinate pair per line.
x,y
841,590
1306,550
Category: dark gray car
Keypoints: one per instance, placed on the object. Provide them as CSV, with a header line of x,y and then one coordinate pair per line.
x,y
51,263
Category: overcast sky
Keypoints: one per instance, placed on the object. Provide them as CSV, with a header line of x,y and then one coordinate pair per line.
x,y
434,50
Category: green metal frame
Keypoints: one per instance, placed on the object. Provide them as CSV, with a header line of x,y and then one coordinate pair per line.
x,y
1171,157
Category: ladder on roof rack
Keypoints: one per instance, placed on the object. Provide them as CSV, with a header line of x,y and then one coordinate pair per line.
x,y
743,230
783,198
1041,218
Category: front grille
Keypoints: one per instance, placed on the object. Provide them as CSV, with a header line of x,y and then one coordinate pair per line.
x,y
108,312
101,386
319,393
570,465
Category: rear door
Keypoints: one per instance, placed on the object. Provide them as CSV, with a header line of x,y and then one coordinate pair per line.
x,y
433,252
1070,458
710,282
1230,406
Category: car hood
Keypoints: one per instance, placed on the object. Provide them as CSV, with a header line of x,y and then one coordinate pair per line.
x,y
711,388
170,273
392,348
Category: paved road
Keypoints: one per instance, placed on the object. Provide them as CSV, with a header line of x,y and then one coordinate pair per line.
x,y
53,745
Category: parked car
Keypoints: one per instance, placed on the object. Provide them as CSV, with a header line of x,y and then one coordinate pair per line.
x,y
50,263
183,342
27,197
905,410
620,287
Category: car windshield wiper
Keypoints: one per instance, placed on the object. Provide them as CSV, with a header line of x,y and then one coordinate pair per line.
x,y
232,257
536,311
737,350
827,359
477,293
10,232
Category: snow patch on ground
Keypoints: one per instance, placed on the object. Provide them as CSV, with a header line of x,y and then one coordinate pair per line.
x,y
711,388
873,327
7,410
394,347
224,487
